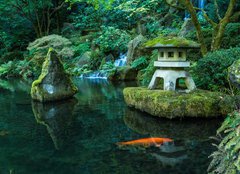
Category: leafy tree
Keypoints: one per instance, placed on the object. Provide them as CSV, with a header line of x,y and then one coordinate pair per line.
x,y
39,13
218,26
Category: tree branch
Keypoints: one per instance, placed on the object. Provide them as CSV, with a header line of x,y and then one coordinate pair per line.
x,y
174,6
57,8
217,10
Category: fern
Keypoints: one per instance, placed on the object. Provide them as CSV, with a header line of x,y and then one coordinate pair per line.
x,y
226,159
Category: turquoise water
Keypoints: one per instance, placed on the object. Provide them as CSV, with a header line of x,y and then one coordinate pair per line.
x,y
80,135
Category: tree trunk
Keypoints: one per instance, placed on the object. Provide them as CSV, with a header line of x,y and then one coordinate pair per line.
x,y
197,26
220,28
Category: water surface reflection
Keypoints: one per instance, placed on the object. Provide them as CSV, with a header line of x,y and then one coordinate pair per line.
x,y
80,136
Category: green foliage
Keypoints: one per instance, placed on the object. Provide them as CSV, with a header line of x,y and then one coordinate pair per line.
x,y
148,72
81,48
139,63
231,36
107,66
17,68
210,72
39,48
96,60
86,17
112,39
226,160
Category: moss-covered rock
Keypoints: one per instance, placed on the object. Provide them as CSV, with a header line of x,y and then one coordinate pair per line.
x,y
170,104
124,74
234,73
53,83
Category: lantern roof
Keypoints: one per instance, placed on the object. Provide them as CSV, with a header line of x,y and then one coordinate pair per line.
x,y
171,42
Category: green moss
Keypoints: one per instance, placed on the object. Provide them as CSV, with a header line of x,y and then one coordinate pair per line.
x,y
172,104
170,41
53,74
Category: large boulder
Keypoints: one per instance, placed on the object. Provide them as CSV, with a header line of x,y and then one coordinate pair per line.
x,y
171,104
133,48
234,73
124,73
53,83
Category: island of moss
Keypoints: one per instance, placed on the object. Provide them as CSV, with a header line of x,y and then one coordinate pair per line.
x,y
171,104
54,83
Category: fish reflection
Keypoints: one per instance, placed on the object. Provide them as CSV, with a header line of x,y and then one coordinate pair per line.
x,y
57,117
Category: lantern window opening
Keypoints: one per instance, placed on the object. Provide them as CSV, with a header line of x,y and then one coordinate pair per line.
x,y
170,54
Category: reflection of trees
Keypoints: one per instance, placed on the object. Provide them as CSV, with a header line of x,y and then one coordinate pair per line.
x,y
57,117
15,85
101,95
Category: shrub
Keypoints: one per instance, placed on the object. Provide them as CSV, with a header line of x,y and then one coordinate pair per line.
x,y
231,36
39,48
210,72
148,72
17,68
139,63
81,48
112,39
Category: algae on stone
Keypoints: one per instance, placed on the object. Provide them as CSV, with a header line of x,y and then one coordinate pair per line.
x,y
170,104
53,83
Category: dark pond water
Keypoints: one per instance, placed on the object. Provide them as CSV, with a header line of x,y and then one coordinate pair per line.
x,y
80,136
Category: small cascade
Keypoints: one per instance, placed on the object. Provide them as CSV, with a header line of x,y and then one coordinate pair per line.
x,y
122,61
200,4
95,75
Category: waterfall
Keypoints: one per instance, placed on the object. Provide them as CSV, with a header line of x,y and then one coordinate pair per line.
x,y
122,61
95,75
200,4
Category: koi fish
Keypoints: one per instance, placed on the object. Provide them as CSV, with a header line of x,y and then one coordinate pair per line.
x,y
145,142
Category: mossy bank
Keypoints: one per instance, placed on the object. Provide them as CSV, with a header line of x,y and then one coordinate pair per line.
x,y
170,104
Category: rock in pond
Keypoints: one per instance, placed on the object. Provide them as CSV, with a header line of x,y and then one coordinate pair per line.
x,y
54,83
171,104
234,73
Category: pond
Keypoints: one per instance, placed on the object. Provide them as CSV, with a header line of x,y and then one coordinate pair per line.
x,y
80,135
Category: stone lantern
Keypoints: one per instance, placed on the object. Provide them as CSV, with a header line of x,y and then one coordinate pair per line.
x,y
171,63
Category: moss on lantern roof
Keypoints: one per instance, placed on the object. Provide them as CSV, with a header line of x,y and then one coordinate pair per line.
x,y
170,42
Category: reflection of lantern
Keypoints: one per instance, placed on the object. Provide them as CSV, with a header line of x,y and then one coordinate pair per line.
x,y
171,63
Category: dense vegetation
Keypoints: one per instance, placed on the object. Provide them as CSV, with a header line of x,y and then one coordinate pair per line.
x,y
90,35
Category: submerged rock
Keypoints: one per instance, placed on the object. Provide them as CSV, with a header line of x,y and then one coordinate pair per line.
x,y
53,83
170,104
234,73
